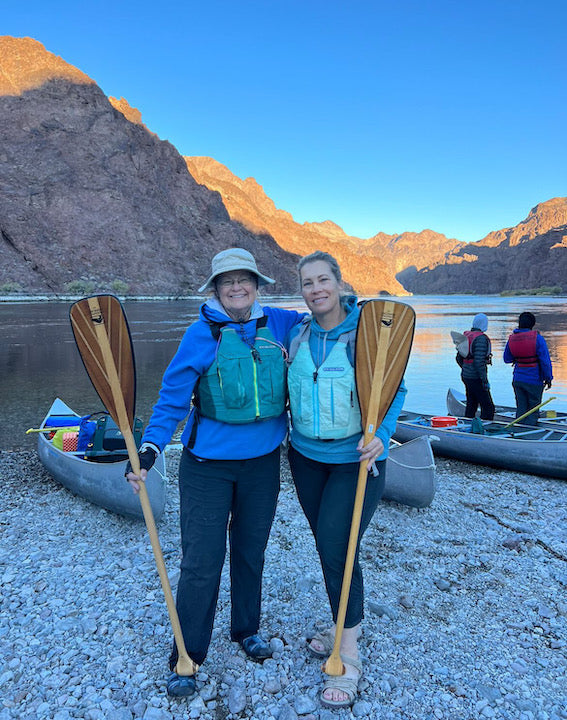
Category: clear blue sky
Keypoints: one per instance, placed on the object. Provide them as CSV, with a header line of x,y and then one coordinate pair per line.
x,y
380,116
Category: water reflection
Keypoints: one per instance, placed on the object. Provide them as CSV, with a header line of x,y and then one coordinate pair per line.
x,y
39,360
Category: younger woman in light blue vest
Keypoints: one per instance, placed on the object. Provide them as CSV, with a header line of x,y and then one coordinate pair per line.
x,y
326,449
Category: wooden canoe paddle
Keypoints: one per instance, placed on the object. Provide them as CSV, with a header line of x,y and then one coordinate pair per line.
x,y
525,415
104,342
383,342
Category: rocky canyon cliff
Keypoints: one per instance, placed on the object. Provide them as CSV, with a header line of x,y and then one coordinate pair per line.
x,y
89,193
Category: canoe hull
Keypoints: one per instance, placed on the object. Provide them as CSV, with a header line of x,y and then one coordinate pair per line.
x,y
538,457
102,483
410,474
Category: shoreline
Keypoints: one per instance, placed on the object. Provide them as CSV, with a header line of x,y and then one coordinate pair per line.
x,y
466,607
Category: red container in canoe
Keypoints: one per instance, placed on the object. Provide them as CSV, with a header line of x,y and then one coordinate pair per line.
x,y
441,421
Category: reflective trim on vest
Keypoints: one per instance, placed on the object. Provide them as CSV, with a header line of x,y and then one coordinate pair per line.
x,y
522,345
243,384
323,400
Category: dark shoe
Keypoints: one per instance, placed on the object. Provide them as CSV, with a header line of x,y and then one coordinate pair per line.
x,y
180,685
256,648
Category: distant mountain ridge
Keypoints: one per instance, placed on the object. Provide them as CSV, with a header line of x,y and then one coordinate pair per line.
x,y
89,193
422,262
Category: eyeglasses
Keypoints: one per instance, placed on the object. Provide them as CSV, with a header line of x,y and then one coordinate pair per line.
x,y
245,281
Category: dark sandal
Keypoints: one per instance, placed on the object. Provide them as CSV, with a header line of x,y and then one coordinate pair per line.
x,y
180,685
256,647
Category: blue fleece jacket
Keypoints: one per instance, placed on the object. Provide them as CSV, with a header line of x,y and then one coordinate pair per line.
x,y
214,440
343,450
534,375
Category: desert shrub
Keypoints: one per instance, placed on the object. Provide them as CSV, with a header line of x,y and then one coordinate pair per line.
x,y
10,288
80,287
120,287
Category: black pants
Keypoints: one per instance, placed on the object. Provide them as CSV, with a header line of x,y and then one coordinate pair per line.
x,y
240,495
478,395
326,493
528,396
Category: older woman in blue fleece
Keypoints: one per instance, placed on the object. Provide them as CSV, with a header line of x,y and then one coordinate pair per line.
x,y
228,376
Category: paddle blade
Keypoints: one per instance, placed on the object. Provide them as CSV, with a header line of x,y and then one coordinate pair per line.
x,y
104,314
384,335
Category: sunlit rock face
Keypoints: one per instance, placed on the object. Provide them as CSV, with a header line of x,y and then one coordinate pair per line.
x,y
362,267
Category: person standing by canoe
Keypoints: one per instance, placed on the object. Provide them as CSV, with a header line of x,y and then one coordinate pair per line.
x,y
474,370
231,363
527,350
326,449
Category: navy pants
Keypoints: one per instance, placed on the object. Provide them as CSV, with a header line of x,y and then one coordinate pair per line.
x,y
477,395
326,493
528,396
216,495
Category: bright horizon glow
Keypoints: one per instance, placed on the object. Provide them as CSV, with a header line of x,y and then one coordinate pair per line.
x,y
381,118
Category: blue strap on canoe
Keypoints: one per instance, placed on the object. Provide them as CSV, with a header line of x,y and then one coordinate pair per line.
x,y
87,430
58,421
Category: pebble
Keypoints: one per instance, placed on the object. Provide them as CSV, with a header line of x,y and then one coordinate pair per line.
x,y
466,614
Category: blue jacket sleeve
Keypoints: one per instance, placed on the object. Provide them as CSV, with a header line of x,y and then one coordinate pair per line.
x,y
281,321
508,357
194,355
544,359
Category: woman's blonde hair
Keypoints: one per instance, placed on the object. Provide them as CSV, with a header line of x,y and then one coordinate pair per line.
x,y
326,257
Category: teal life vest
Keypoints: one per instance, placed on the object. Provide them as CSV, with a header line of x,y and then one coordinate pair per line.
x,y
323,400
245,383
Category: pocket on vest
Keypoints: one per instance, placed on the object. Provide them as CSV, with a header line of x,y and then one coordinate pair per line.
x,y
233,386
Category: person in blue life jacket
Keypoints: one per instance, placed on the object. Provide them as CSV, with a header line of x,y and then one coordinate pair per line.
x,y
326,448
527,350
228,376
474,370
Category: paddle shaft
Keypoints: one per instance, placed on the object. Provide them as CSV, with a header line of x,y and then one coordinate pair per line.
x,y
185,666
525,415
334,664
53,428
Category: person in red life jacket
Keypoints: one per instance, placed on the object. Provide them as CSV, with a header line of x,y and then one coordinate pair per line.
x,y
474,373
528,352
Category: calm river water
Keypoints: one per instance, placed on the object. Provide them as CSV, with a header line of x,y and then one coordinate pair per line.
x,y
39,360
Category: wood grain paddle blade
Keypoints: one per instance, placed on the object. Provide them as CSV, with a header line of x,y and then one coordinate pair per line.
x,y
87,317
382,320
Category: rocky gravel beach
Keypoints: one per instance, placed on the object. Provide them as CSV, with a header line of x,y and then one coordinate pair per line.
x,y
466,607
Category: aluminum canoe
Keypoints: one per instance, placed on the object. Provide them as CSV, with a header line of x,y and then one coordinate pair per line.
x,y
101,483
410,473
539,451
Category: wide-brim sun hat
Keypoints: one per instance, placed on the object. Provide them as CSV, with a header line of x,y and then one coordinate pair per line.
x,y
234,259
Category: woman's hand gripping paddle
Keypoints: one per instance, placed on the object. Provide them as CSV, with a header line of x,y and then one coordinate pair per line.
x,y
383,343
103,339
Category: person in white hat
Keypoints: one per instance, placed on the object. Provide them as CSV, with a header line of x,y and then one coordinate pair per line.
x,y
228,377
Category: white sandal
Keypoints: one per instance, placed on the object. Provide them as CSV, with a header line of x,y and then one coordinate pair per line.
x,y
347,685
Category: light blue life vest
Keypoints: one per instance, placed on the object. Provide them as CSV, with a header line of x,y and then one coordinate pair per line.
x,y
323,400
244,383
